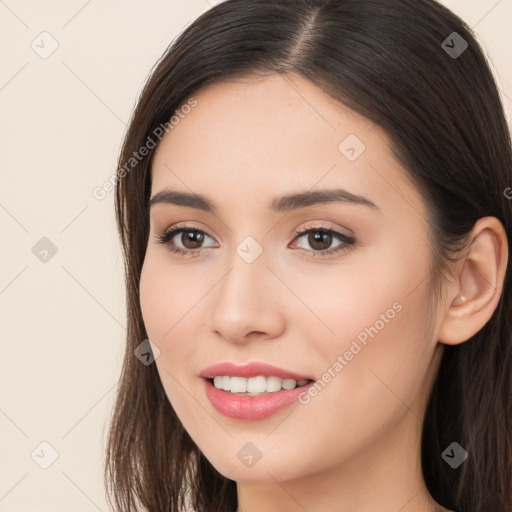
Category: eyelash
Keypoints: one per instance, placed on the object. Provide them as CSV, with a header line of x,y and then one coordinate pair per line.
x,y
347,241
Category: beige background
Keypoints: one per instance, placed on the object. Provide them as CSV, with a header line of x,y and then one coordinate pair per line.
x,y
62,321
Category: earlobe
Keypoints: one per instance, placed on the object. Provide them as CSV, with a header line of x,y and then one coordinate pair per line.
x,y
477,290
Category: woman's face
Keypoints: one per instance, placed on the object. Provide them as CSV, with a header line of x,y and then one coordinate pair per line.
x,y
252,289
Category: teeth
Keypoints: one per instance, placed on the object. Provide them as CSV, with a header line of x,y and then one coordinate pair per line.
x,y
238,385
225,383
255,385
273,384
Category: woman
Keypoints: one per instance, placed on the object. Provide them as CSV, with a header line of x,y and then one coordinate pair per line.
x,y
316,251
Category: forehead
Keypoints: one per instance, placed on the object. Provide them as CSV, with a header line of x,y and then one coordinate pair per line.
x,y
261,137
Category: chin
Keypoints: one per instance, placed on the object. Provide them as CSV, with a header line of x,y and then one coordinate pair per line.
x,y
267,469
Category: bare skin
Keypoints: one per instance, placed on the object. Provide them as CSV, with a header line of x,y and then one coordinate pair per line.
x,y
355,447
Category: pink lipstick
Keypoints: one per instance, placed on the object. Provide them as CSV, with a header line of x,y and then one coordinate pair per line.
x,y
253,391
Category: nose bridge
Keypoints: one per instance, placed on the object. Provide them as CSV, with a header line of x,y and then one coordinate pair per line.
x,y
241,304
246,279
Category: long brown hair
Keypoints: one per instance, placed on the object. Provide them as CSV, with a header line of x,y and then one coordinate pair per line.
x,y
439,104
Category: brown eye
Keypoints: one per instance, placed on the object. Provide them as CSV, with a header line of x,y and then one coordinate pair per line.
x,y
184,240
192,239
319,240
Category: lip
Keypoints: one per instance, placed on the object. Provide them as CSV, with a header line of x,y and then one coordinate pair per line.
x,y
253,369
251,407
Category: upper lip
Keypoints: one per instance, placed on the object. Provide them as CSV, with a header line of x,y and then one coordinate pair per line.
x,y
253,369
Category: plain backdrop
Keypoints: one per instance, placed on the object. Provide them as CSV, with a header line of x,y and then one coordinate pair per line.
x,y
69,77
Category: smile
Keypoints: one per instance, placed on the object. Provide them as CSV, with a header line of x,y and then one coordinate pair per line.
x,y
255,386
253,391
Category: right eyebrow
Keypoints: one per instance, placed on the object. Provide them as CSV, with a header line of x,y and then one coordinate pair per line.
x,y
169,196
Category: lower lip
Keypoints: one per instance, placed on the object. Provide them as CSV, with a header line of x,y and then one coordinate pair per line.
x,y
252,407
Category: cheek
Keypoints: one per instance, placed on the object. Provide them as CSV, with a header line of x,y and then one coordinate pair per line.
x,y
372,294
164,315
152,299
164,308
372,373
172,302
167,296
373,331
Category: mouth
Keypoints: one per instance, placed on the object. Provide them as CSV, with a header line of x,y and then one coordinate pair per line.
x,y
252,391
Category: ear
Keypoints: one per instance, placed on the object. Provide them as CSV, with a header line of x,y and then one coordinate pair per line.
x,y
475,293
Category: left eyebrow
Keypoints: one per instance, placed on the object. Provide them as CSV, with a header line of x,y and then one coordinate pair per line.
x,y
279,204
317,197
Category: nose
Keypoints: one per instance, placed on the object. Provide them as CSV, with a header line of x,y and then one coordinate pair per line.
x,y
247,302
